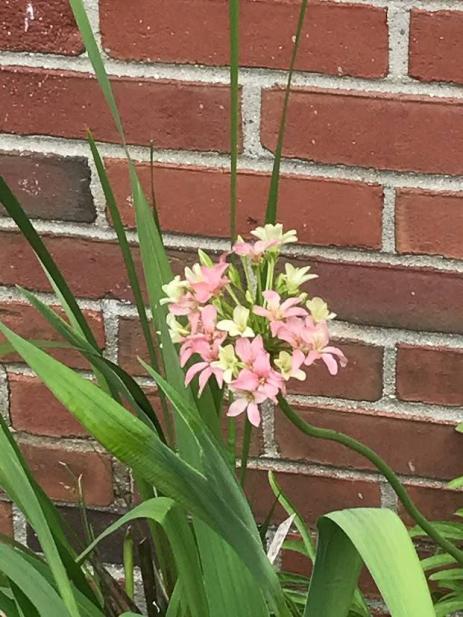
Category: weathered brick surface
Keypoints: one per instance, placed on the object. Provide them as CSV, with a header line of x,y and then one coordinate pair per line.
x,y
436,45
67,104
429,222
50,187
47,26
430,375
337,39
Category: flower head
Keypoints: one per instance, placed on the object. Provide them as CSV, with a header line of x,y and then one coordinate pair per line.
x,y
319,310
290,365
274,236
174,290
227,362
206,281
238,326
293,278
276,311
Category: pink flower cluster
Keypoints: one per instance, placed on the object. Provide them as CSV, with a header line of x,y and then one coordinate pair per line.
x,y
248,328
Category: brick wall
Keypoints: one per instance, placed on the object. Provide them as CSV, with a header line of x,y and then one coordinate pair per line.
x,y
372,181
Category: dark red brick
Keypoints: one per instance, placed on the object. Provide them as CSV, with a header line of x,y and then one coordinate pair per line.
x,y
35,410
337,39
390,296
369,130
50,28
398,440
436,45
429,222
52,467
173,114
365,360
186,197
435,503
26,321
430,375
6,518
49,186
312,495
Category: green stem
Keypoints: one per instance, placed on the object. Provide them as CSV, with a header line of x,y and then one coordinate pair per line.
x,y
270,272
271,212
381,465
234,16
232,439
245,450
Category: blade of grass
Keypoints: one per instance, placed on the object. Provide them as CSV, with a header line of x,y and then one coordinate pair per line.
x,y
234,19
272,202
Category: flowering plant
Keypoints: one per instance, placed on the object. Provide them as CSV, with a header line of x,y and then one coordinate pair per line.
x,y
250,329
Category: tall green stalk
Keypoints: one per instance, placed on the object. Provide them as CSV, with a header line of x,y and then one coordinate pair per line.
x,y
234,16
383,468
271,212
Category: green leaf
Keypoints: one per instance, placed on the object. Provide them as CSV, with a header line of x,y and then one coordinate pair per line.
x,y
163,511
132,442
379,538
16,483
42,595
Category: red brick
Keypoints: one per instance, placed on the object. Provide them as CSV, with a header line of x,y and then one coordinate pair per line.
x,y
35,410
26,321
50,186
312,495
52,29
399,440
48,464
430,375
365,360
434,503
436,45
6,519
100,274
429,222
339,40
369,130
186,197
66,104
391,296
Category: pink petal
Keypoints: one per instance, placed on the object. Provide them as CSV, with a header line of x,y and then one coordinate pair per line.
x,y
243,350
312,357
335,351
237,407
253,414
296,311
209,316
271,296
193,370
203,379
331,363
261,311
246,380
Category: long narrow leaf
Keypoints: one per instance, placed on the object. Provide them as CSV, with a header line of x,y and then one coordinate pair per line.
x,y
272,202
379,538
163,511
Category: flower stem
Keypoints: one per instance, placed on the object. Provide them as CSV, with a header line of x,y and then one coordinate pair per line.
x,y
381,465
270,271
245,450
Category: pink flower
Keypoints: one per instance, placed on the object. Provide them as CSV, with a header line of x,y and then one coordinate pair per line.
x,y
207,281
253,251
184,305
276,311
204,336
249,396
206,370
322,351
